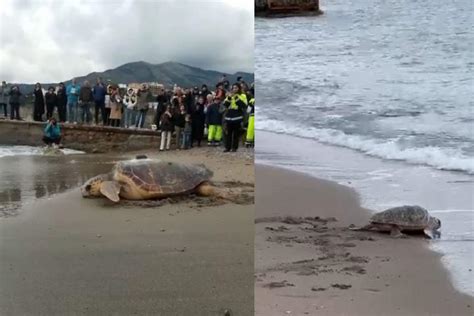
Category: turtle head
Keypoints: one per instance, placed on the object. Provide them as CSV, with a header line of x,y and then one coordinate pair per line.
x,y
92,186
101,186
434,223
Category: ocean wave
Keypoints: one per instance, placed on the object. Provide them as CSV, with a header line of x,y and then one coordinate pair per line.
x,y
439,158
451,211
8,151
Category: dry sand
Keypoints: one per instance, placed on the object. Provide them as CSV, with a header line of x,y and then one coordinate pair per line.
x,y
307,262
66,255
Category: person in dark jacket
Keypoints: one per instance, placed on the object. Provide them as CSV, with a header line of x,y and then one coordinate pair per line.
x,y
225,82
99,93
189,101
187,132
214,123
15,98
204,91
38,106
51,102
62,103
179,117
143,97
4,98
85,101
166,129
162,100
235,105
198,119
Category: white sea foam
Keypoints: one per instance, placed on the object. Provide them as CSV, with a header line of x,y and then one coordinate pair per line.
x,y
451,211
440,158
30,151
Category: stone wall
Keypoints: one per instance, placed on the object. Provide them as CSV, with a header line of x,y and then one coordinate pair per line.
x,y
80,137
283,8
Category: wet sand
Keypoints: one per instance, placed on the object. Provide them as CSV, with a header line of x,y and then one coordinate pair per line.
x,y
308,262
65,255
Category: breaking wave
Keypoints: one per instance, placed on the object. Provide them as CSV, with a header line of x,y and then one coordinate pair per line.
x,y
6,151
439,158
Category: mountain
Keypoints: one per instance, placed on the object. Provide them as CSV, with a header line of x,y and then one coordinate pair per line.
x,y
168,73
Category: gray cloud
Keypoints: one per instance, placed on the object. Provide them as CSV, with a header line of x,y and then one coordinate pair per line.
x,y
53,40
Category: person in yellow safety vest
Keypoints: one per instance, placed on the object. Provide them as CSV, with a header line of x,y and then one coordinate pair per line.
x,y
235,105
250,139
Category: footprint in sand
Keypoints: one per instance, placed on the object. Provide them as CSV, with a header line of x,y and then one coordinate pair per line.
x,y
318,289
273,285
341,286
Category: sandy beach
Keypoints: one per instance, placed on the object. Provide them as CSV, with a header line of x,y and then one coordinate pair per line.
x,y
65,255
307,262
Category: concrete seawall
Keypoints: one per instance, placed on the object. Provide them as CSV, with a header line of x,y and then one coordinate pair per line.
x,y
80,137
287,8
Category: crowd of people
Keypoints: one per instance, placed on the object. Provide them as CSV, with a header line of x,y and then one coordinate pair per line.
x,y
189,115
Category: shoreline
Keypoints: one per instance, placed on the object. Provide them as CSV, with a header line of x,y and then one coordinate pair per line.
x,y
318,266
66,255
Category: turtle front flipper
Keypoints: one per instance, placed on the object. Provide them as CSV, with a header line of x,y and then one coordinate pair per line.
x,y
431,233
207,189
111,190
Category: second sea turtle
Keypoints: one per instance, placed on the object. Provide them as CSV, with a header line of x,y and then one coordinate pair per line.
x,y
407,218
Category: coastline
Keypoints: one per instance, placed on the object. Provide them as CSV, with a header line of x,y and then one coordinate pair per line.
x,y
65,255
317,266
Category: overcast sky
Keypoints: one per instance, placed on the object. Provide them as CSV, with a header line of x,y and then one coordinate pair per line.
x,y
55,40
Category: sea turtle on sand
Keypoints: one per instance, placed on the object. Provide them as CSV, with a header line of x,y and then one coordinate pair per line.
x,y
143,179
407,218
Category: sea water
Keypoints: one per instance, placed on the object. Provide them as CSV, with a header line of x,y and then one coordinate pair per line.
x,y
26,174
377,95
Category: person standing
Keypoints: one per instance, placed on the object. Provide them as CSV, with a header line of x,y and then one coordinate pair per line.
x,y
250,137
220,92
107,107
162,100
143,96
115,107
214,123
72,92
4,98
99,92
51,102
85,100
225,82
38,105
62,103
204,91
129,102
187,132
198,119
166,129
235,105
179,117
15,99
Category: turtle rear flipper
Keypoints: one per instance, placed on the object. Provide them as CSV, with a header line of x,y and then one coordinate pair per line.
x,y
395,232
111,190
